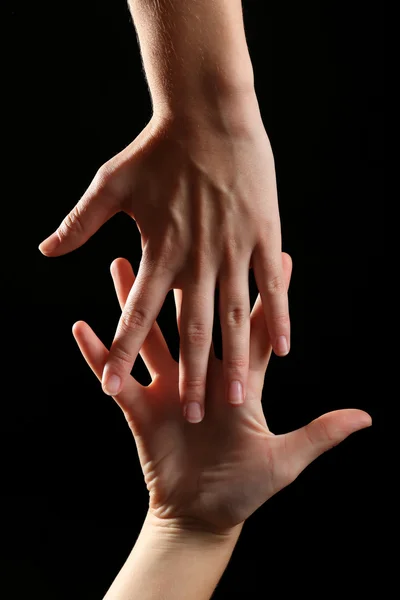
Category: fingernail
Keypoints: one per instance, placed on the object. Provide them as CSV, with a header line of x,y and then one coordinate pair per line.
x,y
367,421
193,412
282,346
49,244
111,385
236,393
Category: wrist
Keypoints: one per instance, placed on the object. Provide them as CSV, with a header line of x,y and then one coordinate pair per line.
x,y
193,52
202,86
234,112
176,559
188,532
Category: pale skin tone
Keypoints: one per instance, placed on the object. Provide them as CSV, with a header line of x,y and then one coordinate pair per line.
x,y
199,181
203,482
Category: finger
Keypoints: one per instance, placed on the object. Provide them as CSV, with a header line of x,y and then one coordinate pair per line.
x,y
196,322
178,308
234,315
260,344
142,307
154,352
95,207
306,444
131,400
267,267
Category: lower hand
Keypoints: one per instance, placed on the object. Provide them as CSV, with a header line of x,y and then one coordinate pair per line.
x,y
215,475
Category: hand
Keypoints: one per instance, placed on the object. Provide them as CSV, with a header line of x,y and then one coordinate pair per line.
x,y
204,199
215,475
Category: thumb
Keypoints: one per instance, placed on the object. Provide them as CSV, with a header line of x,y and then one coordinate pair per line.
x,y
95,207
306,444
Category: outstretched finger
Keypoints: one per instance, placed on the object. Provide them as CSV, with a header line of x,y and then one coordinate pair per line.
x,y
260,343
141,309
131,399
196,323
306,444
154,352
178,309
267,266
234,311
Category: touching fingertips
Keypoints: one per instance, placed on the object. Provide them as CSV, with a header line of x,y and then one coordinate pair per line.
x,y
236,395
193,412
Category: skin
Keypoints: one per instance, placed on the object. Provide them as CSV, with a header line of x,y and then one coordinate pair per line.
x,y
203,482
217,474
199,181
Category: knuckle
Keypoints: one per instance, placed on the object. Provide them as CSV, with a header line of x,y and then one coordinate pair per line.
x,y
165,260
159,258
230,254
196,334
281,319
193,388
102,177
317,431
134,318
199,260
276,285
102,173
233,250
194,383
71,224
236,363
236,316
121,356
104,181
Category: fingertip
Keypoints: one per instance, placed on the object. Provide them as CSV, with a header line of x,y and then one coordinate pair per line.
x,y
287,259
282,347
365,419
235,393
119,265
193,412
110,383
347,421
78,328
49,245
354,417
113,266
287,264
116,263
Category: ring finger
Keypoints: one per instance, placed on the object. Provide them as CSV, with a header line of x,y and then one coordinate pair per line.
x,y
234,313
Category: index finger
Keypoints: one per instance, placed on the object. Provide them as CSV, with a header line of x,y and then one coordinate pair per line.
x,y
142,307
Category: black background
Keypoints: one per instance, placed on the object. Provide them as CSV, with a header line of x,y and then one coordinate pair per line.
x,y
74,496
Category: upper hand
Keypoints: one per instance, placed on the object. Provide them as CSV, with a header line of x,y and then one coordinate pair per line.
x,y
217,474
205,202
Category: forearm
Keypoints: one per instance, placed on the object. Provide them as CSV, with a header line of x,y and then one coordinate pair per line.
x,y
193,51
169,563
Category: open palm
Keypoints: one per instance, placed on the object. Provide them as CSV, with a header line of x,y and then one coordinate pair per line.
x,y
218,472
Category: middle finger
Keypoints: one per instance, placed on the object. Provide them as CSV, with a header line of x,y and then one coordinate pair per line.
x,y
196,323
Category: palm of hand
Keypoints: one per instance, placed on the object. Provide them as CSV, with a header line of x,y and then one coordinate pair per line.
x,y
218,472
